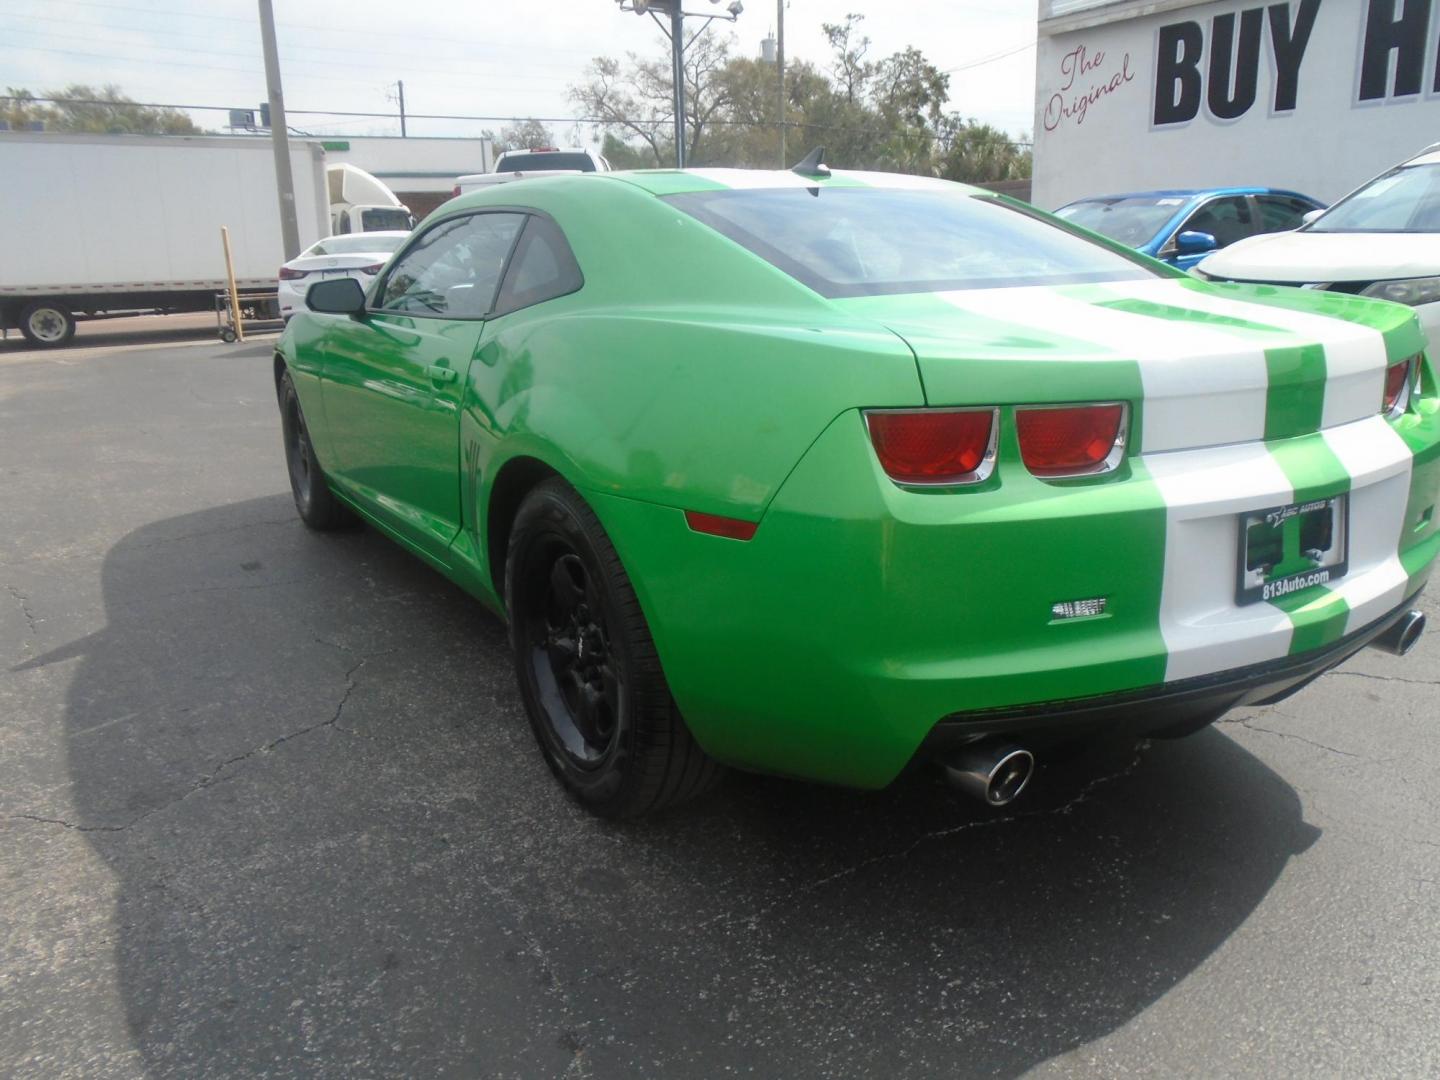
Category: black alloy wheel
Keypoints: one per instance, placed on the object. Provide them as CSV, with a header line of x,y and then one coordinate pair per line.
x,y
589,675
314,502
575,674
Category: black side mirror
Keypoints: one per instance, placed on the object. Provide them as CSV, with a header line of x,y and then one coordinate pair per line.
x,y
338,296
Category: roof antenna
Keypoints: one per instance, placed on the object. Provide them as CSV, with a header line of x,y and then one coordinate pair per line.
x,y
813,164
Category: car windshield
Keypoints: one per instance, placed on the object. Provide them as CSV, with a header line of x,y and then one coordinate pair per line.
x,y
386,218
1404,200
1132,220
545,160
855,241
355,244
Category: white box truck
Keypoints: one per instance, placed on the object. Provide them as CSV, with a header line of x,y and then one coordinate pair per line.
x,y
100,225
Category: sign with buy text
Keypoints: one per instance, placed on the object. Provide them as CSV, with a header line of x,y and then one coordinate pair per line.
x,y
1312,95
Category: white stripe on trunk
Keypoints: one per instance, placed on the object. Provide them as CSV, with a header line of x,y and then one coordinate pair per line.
x,y
1203,386
1205,491
1354,355
1379,464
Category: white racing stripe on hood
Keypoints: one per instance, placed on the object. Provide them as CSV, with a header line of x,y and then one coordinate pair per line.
x,y
1203,386
1205,491
1354,355
1379,464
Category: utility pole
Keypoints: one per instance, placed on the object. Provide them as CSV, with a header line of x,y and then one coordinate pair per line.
x,y
780,66
400,85
677,53
279,134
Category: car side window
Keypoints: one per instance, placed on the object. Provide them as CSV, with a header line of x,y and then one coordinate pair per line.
x,y
453,270
1227,219
1279,213
543,268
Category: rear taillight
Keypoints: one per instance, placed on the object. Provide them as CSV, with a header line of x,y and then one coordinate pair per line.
x,y
1399,378
1071,440
373,268
455,191
287,274
934,446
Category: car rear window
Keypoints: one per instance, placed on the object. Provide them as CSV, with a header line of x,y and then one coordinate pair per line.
x,y
1133,221
534,162
355,244
386,218
854,241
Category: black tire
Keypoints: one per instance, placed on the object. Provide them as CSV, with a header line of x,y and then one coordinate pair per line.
x,y
46,323
589,674
314,501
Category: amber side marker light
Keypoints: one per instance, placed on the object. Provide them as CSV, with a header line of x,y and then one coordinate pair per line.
x,y
715,525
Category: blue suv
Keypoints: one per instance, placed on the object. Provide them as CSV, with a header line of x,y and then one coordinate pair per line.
x,y
1183,226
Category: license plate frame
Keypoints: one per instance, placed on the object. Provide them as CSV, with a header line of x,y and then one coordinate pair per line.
x,y
1310,542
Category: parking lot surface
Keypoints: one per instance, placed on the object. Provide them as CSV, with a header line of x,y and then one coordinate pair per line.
x,y
269,805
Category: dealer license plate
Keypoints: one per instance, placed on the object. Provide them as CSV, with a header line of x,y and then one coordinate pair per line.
x,y
1289,548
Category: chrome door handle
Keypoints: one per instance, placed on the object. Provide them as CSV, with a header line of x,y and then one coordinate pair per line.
x,y
440,373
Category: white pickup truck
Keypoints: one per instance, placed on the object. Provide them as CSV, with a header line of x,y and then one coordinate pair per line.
x,y
537,161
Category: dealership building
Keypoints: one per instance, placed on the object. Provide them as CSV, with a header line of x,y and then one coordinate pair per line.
x,y
1302,94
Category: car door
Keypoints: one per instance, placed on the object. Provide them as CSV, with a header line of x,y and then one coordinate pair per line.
x,y
393,379
1228,218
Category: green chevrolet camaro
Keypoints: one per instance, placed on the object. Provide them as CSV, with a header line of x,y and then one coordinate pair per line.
x,y
817,473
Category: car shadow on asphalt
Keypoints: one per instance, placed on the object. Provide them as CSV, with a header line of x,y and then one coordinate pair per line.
x,y
336,852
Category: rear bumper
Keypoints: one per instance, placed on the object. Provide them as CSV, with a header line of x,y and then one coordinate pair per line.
x,y
831,644
1171,705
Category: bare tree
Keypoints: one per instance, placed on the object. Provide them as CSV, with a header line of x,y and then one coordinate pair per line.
x,y
851,71
636,100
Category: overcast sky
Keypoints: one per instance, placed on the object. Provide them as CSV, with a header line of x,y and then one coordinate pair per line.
x,y
481,57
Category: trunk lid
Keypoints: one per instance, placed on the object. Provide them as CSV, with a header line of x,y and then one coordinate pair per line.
x,y
1201,365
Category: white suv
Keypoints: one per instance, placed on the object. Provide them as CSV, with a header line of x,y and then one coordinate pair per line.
x,y
1382,239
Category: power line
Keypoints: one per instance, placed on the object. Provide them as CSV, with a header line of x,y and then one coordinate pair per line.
x,y
290,62
284,27
427,58
652,122
989,59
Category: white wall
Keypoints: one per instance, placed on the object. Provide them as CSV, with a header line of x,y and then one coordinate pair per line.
x,y
1104,122
415,164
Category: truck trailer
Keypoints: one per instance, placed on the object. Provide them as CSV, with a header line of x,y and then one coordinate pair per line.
x,y
106,225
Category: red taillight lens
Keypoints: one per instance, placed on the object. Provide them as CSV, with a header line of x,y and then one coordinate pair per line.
x,y
933,446
373,268
1398,378
286,274
715,525
1072,440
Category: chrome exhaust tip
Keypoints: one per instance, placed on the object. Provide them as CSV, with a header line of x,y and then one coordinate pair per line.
x,y
1402,635
994,773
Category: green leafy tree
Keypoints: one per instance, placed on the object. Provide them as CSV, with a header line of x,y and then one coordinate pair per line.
x,y
890,113
976,153
105,110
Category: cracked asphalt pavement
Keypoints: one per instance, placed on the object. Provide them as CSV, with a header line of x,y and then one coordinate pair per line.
x,y
269,805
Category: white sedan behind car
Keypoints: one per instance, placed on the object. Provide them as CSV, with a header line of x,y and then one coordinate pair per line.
x,y
356,255
1380,240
